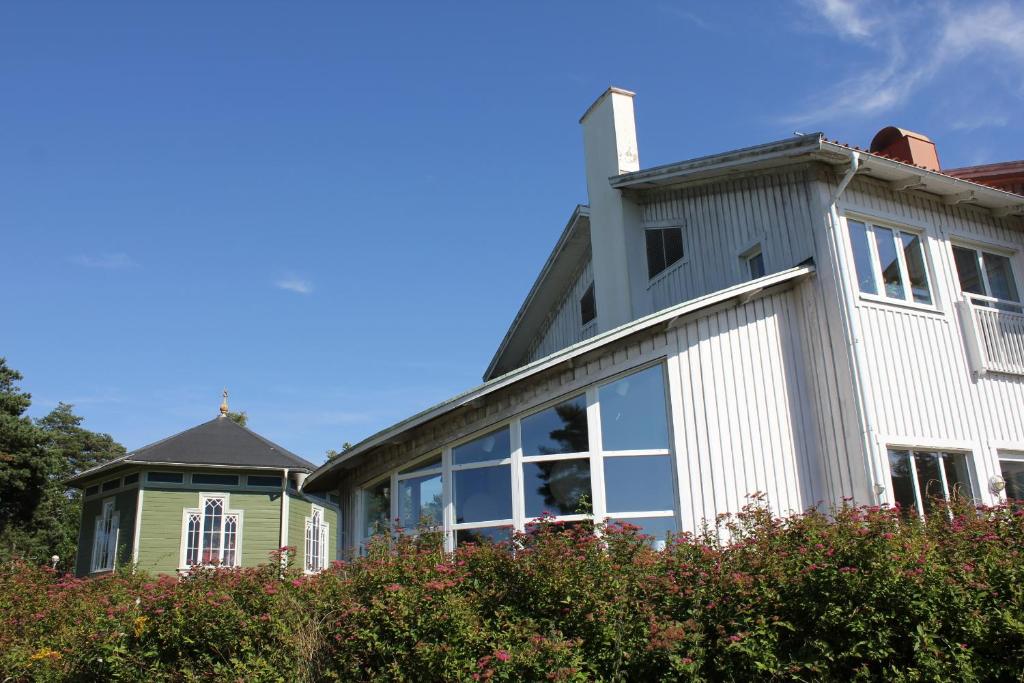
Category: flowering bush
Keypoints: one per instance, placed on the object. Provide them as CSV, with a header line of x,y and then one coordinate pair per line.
x,y
860,594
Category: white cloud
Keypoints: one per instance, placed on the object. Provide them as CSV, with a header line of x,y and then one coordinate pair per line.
x,y
110,261
908,47
294,284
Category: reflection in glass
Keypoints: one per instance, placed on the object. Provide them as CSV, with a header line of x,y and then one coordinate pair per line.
x,y
929,480
482,494
890,263
902,479
913,254
561,487
376,509
967,270
1000,277
493,446
1013,473
482,536
559,429
635,483
658,528
633,412
420,502
422,466
862,257
958,481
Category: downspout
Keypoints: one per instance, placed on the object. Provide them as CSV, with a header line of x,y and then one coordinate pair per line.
x,y
854,338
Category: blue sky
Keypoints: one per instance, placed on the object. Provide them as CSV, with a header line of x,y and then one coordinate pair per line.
x,y
335,209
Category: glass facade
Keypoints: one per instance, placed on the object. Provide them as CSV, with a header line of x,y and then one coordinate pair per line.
x,y
602,452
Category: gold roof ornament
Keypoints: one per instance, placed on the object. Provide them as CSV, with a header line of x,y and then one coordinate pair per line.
x,y
224,404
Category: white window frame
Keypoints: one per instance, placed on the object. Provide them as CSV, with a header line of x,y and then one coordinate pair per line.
x,y
318,531
972,475
870,224
595,454
226,512
980,250
105,537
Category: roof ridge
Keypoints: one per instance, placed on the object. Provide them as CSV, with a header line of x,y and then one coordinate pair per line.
x,y
284,451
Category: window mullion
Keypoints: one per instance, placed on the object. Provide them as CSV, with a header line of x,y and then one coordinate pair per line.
x,y
447,502
599,501
979,258
918,494
940,461
518,496
876,264
901,260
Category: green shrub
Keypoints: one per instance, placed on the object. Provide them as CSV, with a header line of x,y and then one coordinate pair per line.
x,y
860,594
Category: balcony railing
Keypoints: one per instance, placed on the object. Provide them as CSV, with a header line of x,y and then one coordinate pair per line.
x,y
994,332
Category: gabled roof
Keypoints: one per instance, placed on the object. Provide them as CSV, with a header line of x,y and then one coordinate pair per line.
x,y
571,250
221,442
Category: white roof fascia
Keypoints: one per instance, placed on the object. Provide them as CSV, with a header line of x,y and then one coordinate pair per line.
x,y
666,316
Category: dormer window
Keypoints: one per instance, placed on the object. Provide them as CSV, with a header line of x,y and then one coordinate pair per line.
x,y
588,306
664,247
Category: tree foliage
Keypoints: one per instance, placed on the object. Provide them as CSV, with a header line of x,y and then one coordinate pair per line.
x,y
240,418
39,514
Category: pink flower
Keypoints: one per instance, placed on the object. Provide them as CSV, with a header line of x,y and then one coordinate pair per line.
x,y
501,655
392,587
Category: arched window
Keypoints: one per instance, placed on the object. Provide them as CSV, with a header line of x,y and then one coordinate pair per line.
x,y
212,533
316,540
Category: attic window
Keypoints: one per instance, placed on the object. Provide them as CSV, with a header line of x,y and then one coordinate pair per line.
x,y
92,490
111,485
165,477
264,480
588,307
664,247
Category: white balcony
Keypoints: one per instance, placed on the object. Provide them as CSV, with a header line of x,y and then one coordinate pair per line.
x,y
994,334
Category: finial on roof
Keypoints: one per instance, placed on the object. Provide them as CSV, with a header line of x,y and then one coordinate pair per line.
x,y
224,404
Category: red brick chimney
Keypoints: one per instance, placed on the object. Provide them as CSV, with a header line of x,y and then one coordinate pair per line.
x,y
907,146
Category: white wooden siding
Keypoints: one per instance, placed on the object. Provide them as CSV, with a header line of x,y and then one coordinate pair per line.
x,y
722,219
919,379
564,327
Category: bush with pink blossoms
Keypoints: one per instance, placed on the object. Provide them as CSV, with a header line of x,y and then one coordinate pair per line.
x,y
859,594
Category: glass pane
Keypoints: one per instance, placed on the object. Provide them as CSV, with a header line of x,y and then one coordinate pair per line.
x,y
890,263
902,479
1013,473
559,429
633,412
263,480
561,487
212,518
637,483
862,257
958,479
673,245
658,528
165,477
482,494
429,464
756,265
967,270
192,544
230,532
493,446
588,306
491,534
1000,277
419,501
913,254
929,479
215,479
655,252
376,509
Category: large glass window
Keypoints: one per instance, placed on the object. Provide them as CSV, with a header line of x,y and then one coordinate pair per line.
x,y
559,429
987,277
639,483
376,504
1012,467
893,257
920,477
420,501
493,446
558,487
633,415
482,494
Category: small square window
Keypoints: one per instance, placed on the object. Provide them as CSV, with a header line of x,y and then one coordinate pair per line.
x,y
889,262
588,307
664,247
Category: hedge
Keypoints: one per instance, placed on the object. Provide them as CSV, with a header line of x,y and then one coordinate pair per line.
x,y
859,593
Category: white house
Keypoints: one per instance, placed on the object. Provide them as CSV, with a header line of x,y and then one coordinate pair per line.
x,y
798,318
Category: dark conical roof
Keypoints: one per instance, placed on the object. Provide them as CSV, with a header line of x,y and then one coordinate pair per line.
x,y
221,441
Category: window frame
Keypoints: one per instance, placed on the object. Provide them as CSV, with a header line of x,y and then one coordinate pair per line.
x,y
594,454
1007,456
652,277
870,224
980,250
971,469
226,512
313,564
110,518
588,292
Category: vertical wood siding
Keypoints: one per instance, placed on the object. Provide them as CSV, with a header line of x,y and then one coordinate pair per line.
x,y
564,328
920,383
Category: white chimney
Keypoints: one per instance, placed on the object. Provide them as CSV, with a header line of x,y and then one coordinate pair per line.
x,y
616,229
